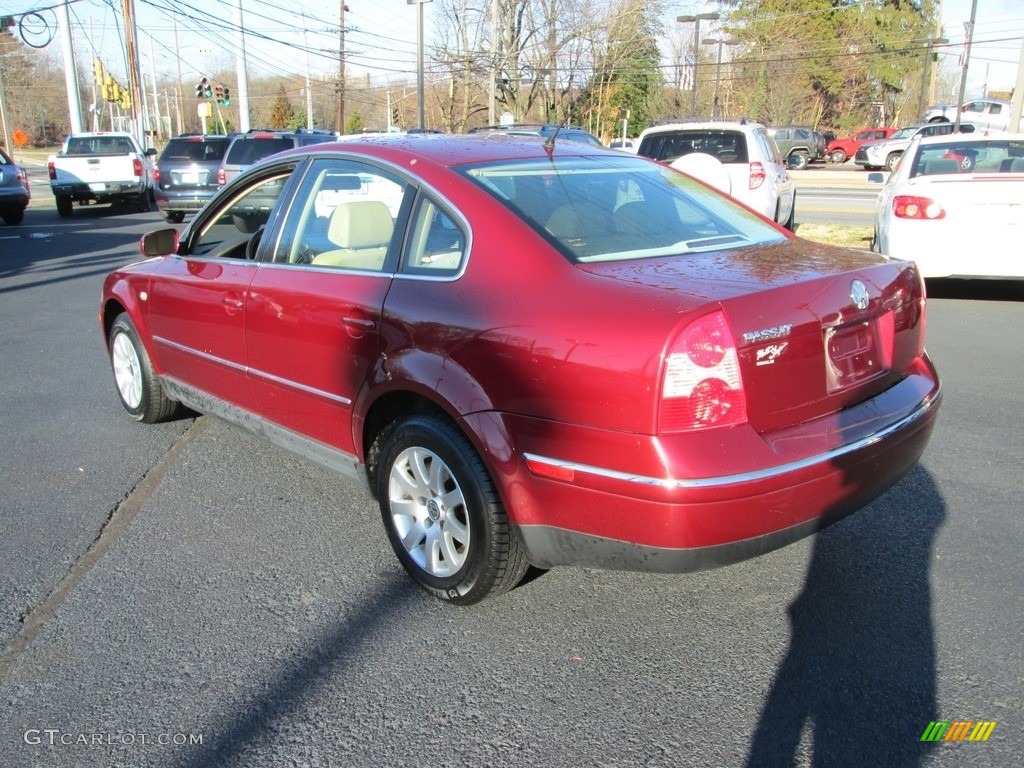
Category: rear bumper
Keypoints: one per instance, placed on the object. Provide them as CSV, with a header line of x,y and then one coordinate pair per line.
x,y
573,513
110,191
186,203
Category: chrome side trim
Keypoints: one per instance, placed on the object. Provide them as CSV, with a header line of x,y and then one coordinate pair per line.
x,y
254,372
326,456
669,483
301,387
200,354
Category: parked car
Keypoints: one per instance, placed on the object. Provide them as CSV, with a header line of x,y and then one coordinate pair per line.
x,y
626,145
955,205
534,353
843,148
748,164
985,114
798,145
252,146
874,155
185,175
105,167
14,190
565,132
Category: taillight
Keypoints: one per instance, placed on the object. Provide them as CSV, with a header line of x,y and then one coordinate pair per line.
x,y
137,167
51,169
702,387
222,177
757,175
914,207
156,173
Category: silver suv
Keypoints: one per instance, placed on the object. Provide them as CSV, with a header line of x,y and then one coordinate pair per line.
x,y
987,114
875,155
252,146
738,157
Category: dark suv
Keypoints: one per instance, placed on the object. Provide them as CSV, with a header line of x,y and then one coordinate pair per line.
x,y
798,145
252,146
185,174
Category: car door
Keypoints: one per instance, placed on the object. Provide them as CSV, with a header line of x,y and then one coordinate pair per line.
x,y
197,300
314,314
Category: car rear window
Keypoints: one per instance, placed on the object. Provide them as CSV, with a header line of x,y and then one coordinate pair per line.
x,y
728,146
248,150
620,207
194,150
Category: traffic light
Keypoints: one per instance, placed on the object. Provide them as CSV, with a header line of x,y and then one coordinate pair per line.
x,y
207,90
108,88
97,69
219,90
227,97
199,89
125,102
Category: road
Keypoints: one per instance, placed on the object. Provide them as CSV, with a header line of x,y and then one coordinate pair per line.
x,y
186,595
835,194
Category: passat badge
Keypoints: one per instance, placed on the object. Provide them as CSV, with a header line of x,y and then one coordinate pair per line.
x,y
859,294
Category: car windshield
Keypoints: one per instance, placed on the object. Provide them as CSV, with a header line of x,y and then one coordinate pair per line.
x,y
618,207
905,133
195,151
247,151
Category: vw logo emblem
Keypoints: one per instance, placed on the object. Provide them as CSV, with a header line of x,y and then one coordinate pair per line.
x,y
859,294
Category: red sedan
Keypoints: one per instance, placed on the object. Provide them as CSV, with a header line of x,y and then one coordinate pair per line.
x,y
533,352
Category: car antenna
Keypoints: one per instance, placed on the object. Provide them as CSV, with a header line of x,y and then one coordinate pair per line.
x,y
549,142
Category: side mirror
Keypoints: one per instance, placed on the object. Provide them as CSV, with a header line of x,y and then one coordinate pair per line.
x,y
151,151
162,242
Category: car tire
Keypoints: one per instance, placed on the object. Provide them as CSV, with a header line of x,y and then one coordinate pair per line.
x,y
14,216
892,161
142,202
64,206
442,513
175,217
790,223
137,384
838,156
798,161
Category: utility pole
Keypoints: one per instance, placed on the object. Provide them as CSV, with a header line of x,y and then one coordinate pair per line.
x,y
158,130
420,96
134,74
243,80
967,63
180,100
339,117
70,71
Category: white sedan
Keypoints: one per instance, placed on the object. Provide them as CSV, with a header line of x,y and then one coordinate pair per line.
x,y
955,205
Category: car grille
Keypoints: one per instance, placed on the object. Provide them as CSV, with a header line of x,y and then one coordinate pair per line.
x,y
862,154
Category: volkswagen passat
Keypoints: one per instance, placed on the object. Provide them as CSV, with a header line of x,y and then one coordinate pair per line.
x,y
533,351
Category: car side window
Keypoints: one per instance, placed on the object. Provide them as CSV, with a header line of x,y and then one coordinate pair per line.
x,y
228,233
437,244
343,217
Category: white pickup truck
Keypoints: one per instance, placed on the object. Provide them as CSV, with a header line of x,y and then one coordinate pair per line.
x,y
101,168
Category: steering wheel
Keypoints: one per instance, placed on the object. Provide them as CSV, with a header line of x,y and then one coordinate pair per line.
x,y
253,244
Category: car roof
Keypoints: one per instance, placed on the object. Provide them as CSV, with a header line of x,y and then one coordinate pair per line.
x,y
971,138
704,125
451,150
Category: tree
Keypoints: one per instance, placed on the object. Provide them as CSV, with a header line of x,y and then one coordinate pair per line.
x,y
828,62
281,112
626,73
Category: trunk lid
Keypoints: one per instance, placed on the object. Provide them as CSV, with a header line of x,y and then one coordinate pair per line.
x,y
816,328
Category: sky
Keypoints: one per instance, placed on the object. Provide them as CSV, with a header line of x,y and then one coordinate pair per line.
x,y
380,41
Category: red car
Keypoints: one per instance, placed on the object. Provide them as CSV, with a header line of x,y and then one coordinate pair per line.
x,y
533,352
842,149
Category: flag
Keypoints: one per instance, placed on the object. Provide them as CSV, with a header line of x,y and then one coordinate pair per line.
x,y
686,76
965,53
